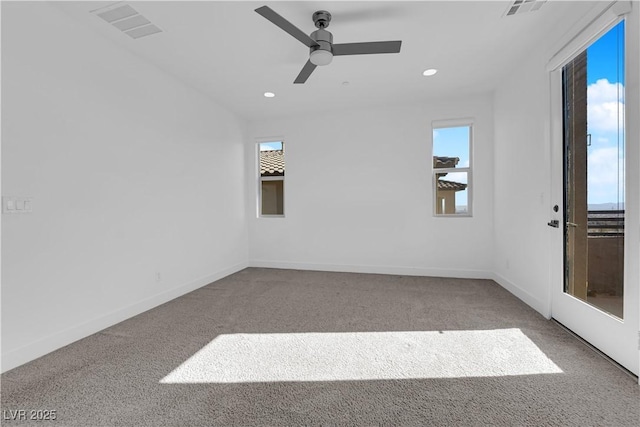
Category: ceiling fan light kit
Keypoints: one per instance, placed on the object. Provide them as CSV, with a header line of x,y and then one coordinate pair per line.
x,y
320,42
321,57
322,53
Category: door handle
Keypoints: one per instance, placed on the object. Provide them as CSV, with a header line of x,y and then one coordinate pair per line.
x,y
572,224
554,223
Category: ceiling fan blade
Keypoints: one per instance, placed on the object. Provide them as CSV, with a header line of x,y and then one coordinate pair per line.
x,y
272,16
305,73
366,48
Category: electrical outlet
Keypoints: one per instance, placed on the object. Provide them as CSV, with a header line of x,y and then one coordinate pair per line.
x,y
16,205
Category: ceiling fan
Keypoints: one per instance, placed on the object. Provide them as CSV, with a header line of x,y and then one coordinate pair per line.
x,y
320,42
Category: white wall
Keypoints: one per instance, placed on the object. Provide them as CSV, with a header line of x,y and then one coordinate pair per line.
x,y
358,194
522,205
131,173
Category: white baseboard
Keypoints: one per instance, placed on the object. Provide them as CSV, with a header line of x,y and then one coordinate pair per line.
x,y
375,269
536,303
38,348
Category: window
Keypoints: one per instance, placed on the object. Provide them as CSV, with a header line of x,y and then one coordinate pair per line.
x,y
271,185
452,168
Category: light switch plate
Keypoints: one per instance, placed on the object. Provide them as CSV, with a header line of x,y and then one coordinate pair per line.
x,y
17,205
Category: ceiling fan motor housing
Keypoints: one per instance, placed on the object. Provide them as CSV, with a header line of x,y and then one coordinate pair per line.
x,y
324,39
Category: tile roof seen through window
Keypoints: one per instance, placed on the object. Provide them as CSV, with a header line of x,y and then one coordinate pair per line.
x,y
445,162
444,185
272,163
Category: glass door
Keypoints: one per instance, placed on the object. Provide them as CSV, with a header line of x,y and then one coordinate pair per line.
x,y
594,158
591,300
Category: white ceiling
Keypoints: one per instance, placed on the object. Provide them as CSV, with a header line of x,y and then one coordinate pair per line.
x,y
233,55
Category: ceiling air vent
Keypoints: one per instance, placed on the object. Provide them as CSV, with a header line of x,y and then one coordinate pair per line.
x,y
126,19
522,6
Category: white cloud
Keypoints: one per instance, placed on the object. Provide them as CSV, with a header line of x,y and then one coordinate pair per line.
x,y
605,110
604,91
605,176
460,177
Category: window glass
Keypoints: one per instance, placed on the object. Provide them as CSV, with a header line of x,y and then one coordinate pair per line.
x,y
271,171
451,170
451,194
452,142
272,198
594,176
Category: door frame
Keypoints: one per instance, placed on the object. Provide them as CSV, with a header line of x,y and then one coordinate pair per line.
x,y
616,338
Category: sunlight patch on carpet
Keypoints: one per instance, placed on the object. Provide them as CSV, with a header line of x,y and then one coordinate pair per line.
x,y
357,356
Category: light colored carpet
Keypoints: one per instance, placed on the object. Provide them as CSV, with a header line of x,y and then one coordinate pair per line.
x,y
270,347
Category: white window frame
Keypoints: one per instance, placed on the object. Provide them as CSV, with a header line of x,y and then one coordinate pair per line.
x,y
452,123
260,179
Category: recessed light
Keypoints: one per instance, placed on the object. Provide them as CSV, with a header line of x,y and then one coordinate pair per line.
x,y
269,94
429,72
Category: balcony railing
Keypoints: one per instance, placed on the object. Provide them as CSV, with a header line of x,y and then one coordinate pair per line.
x,y
605,223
